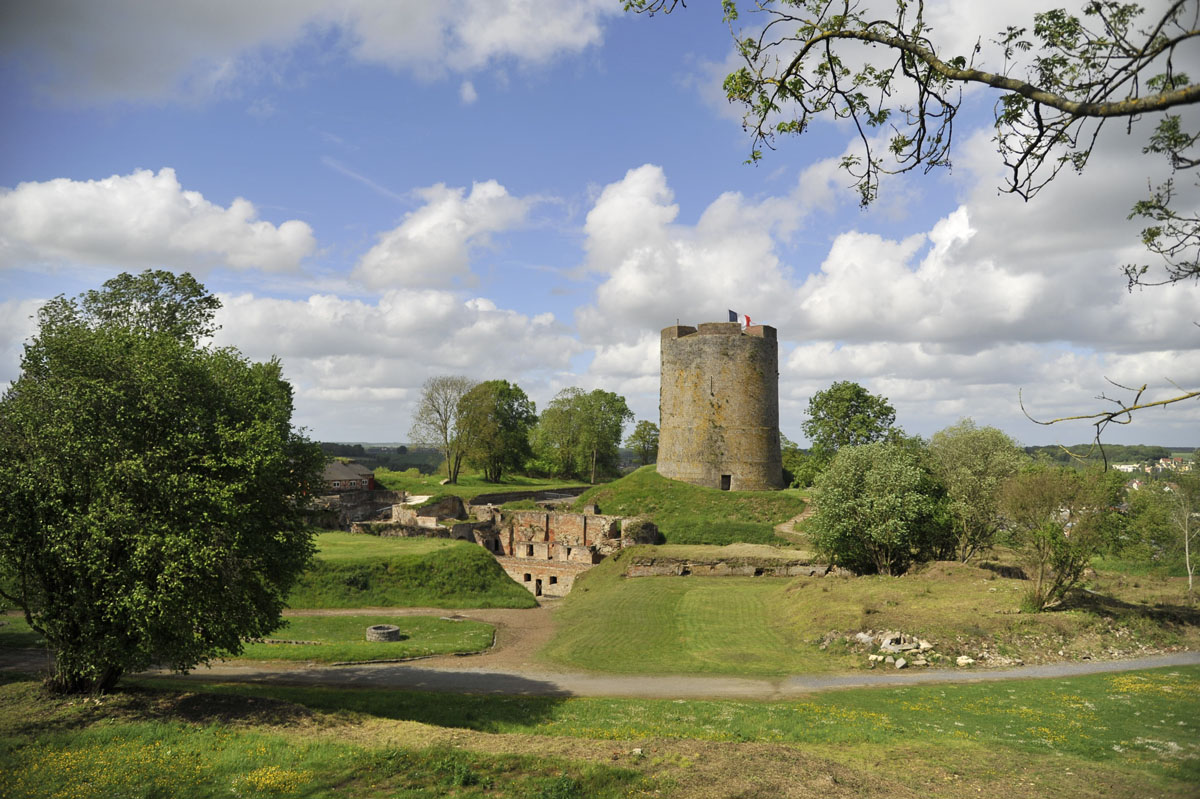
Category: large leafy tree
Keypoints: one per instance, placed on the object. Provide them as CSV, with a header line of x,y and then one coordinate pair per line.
x,y
579,433
439,421
153,487
500,416
846,415
1058,84
644,441
879,508
974,463
602,420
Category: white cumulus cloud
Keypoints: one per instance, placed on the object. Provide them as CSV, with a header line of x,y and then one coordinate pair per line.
x,y
139,220
433,245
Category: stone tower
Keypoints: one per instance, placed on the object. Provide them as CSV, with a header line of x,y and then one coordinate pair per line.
x,y
719,406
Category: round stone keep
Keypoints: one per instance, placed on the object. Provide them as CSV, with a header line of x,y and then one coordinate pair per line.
x,y
719,406
383,632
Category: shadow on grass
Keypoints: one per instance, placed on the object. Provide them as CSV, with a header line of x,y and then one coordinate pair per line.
x,y
497,702
1004,570
1168,616
40,712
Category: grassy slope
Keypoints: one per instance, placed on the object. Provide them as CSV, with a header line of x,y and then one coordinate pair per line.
x,y
1104,735
688,514
770,626
405,572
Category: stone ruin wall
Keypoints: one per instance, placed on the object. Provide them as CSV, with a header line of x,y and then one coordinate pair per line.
x,y
668,567
545,550
719,406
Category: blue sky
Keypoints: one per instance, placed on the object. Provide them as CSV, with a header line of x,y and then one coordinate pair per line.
x,y
382,192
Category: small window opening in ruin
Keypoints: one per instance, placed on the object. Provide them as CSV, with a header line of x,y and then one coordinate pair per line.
x,y
528,578
726,479
529,550
553,580
537,588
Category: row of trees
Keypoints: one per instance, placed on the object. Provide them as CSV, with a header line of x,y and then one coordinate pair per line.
x,y
494,427
885,500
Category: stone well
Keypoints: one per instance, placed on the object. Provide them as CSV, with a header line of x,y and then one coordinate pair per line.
x,y
383,632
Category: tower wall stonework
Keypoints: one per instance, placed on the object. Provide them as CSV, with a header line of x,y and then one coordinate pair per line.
x,y
719,406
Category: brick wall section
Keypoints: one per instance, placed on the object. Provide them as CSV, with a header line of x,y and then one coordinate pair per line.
x,y
719,406
548,578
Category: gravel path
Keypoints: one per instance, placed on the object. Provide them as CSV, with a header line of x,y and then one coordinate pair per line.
x,y
419,676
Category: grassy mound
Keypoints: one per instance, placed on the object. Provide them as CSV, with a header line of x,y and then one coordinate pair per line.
x,y
688,514
359,571
773,626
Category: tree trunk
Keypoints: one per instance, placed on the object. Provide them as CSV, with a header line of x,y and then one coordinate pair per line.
x,y
593,465
1187,549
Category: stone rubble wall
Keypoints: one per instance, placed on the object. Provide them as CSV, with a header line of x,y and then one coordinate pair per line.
x,y
670,567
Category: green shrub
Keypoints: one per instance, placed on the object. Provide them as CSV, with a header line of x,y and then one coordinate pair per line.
x,y
878,508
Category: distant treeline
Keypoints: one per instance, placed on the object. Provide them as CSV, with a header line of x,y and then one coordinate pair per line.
x,y
1116,453
395,458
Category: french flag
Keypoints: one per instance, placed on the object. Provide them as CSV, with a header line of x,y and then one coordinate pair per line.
x,y
733,317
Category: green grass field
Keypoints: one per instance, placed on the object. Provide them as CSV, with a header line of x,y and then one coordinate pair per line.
x,y
359,571
688,514
470,484
679,625
775,626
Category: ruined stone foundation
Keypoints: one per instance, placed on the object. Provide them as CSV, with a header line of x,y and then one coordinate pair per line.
x,y
719,406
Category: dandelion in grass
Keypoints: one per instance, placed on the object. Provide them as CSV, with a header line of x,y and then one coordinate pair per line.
x,y
270,781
